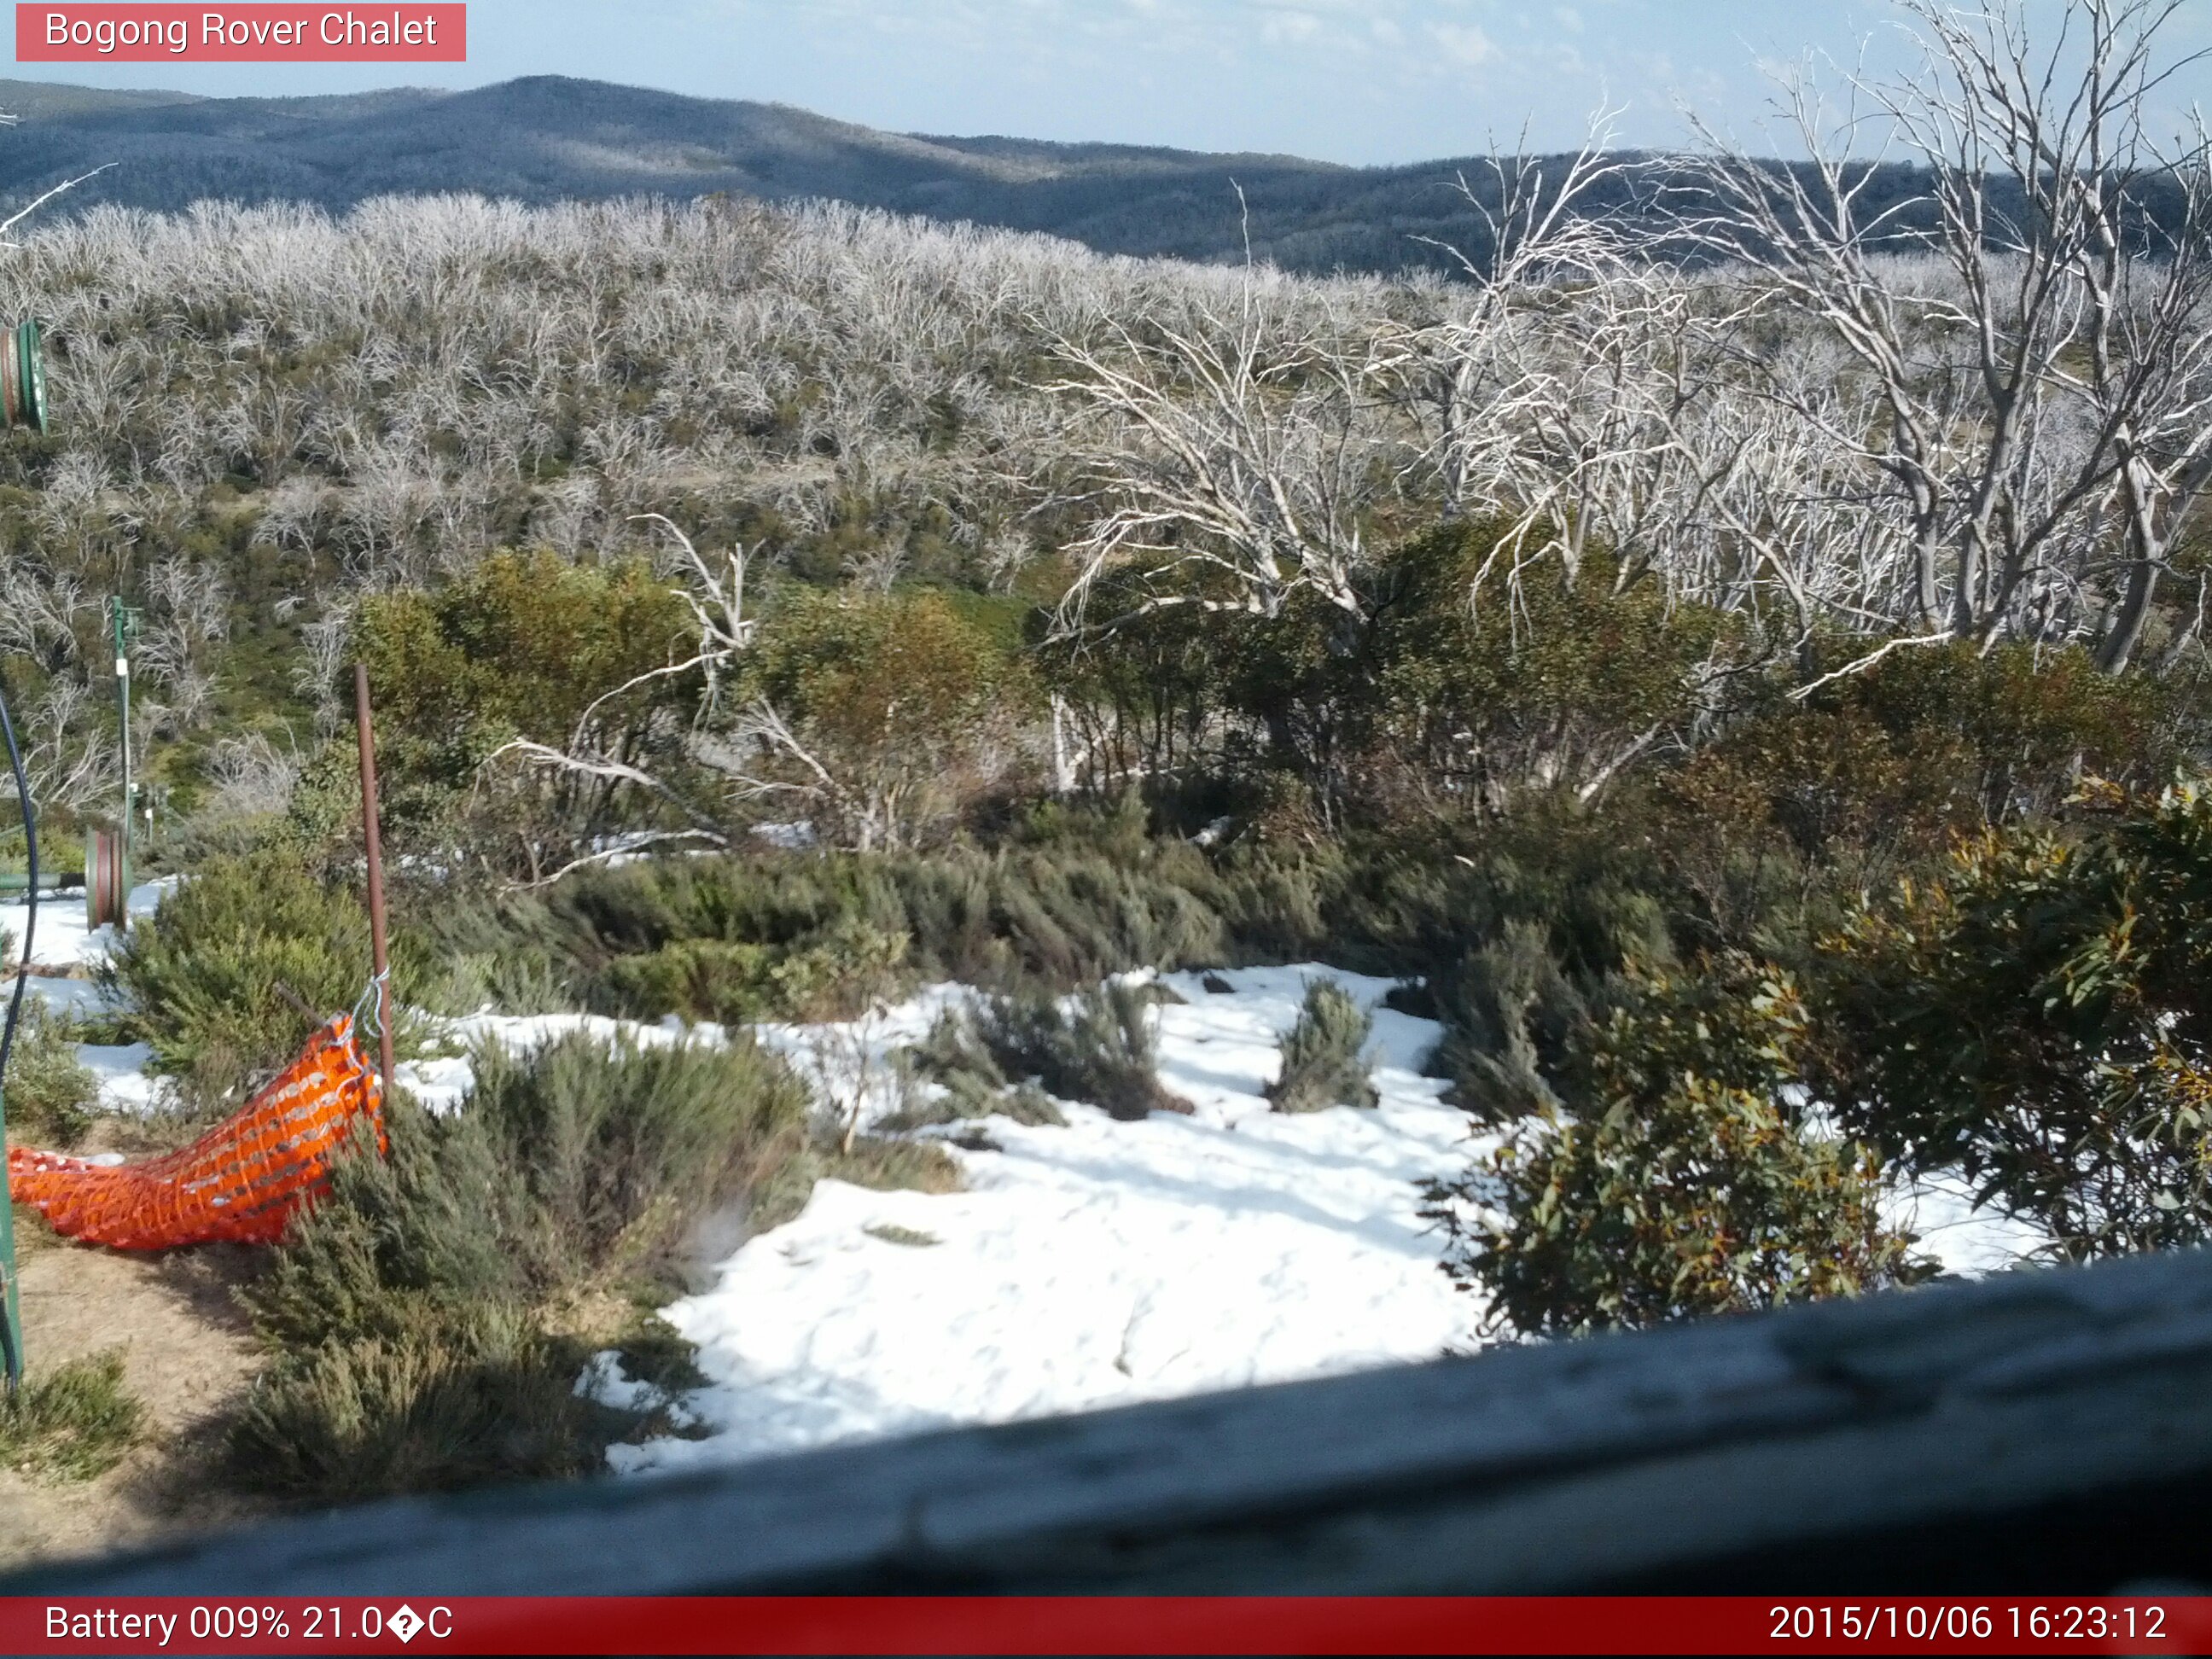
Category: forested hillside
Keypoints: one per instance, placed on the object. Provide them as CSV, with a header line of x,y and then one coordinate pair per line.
x,y
549,138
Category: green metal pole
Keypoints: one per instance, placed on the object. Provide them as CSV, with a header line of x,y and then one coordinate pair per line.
x,y
126,628
22,403
11,1290
11,1287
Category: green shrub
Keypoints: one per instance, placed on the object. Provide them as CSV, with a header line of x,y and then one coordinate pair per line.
x,y
502,950
2041,1018
519,646
1461,706
430,1315
1682,1184
815,936
75,1423
1803,808
212,978
50,1096
580,1160
845,968
955,1056
474,1398
910,700
709,979
1509,1014
1325,1062
1100,1047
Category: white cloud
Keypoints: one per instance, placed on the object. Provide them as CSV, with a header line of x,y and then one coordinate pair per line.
x,y
1464,43
1283,27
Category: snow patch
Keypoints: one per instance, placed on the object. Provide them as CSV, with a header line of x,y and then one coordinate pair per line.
x,y
64,936
1100,1263
120,1068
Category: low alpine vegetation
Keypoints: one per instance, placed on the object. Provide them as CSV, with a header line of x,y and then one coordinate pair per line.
x,y
1682,1182
1099,1046
1013,1054
238,967
953,1075
50,1096
428,1319
74,1423
1325,1060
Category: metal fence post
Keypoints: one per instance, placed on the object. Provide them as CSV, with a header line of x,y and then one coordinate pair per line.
x,y
373,843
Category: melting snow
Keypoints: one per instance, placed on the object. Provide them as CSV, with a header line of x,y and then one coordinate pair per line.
x,y
64,936
1082,1266
1100,1263
62,939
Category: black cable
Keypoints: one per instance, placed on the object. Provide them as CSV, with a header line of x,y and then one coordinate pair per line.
x,y
31,890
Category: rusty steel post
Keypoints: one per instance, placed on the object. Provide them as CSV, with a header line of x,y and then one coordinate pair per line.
x,y
375,846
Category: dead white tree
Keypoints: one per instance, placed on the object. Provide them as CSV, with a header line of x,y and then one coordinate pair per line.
x,y
2044,428
1233,452
251,777
38,201
1478,380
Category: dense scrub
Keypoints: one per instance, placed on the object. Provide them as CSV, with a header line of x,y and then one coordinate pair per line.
x,y
429,1320
238,968
1559,874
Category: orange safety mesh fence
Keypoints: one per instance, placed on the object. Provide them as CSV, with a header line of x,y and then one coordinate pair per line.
x,y
241,1181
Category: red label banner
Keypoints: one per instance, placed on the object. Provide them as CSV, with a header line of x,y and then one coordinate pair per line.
x,y
260,34
1106,1625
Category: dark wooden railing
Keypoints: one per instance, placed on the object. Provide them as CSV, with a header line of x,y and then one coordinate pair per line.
x,y
2040,1432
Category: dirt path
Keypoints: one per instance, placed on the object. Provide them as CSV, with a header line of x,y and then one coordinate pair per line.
x,y
187,1355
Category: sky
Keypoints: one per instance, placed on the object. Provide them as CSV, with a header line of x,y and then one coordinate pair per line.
x,y
1362,82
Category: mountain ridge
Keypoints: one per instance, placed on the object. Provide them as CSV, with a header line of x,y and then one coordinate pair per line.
x,y
544,137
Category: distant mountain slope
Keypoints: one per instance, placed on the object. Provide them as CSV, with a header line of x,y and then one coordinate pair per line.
x,y
548,136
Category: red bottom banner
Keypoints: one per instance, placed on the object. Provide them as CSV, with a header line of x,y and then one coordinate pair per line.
x,y
1106,1625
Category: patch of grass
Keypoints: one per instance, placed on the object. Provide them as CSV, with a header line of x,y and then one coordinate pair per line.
x,y
1325,1060
893,1233
75,1423
885,1164
879,1163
